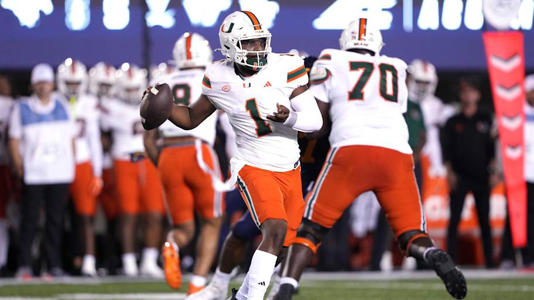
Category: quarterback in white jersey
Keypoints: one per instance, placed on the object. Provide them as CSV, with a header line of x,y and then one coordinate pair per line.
x,y
72,83
267,102
188,167
365,95
138,185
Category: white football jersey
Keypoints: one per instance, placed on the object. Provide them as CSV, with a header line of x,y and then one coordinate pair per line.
x,y
85,112
247,101
436,114
186,89
367,97
6,105
124,121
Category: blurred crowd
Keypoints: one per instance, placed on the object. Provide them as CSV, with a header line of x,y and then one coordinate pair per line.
x,y
79,196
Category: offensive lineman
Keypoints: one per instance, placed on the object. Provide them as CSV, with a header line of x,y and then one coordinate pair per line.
x,y
187,164
365,94
267,102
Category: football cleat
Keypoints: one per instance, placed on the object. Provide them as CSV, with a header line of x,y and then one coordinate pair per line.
x,y
449,273
210,292
171,265
286,292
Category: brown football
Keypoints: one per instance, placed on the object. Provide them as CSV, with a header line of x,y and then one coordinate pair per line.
x,y
156,106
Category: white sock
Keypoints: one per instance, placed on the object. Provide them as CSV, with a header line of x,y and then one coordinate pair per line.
x,y
198,280
259,274
289,280
243,290
4,242
221,279
150,256
128,259
88,262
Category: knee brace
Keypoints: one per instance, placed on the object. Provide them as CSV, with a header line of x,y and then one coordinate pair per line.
x,y
310,235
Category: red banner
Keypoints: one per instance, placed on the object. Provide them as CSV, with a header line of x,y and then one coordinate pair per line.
x,y
505,58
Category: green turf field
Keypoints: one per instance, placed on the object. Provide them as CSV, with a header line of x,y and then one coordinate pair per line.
x,y
493,289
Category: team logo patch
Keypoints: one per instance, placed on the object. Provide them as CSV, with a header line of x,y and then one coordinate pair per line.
x,y
226,88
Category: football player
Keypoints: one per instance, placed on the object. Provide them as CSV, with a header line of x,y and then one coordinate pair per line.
x,y
138,186
72,84
188,167
267,102
365,95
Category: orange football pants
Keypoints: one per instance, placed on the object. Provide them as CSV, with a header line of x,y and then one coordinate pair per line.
x,y
138,187
107,197
273,195
351,170
187,187
80,190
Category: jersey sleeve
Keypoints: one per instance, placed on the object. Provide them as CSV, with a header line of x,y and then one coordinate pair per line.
x,y
296,72
207,89
15,125
321,75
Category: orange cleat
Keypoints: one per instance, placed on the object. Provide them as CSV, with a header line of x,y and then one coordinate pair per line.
x,y
171,265
194,289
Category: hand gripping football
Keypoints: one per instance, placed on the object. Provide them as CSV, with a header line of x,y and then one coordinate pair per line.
x,y
156,106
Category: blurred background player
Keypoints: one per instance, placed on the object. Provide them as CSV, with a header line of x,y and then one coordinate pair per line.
x,y
468,146
365,94
138,186
41,142
6,184
188,167
529,168
102,85
72,84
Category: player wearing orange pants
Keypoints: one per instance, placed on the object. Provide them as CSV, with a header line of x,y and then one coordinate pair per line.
x,y
280,197
188,188
107,197
390,176
81,190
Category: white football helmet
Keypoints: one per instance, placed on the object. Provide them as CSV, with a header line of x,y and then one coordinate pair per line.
x,y
240,26
131,82
422,80
71,77
192,50
361,34
102,79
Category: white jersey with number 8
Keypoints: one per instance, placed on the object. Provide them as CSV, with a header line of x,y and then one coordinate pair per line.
x,y
367,96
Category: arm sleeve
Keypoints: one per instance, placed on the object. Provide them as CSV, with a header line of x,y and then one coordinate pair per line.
x,y
15,125
304,114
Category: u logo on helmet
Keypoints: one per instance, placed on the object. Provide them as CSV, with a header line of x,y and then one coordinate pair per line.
x,y
229,29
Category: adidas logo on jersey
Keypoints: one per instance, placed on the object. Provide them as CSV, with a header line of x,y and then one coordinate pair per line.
x,y
268,84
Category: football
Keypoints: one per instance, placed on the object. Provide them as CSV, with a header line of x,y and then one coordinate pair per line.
x,y
156,106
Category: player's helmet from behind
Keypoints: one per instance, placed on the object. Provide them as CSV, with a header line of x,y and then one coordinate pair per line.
x,y
361,34
240,26
102,79
71,77
422,79
131,82
192,50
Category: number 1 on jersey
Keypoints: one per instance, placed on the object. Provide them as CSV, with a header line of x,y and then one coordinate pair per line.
x,y
262,127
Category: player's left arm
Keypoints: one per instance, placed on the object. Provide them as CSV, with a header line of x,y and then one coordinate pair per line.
x,y
303,115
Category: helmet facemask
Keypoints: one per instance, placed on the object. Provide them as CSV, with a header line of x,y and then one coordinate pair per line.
x,y
252,59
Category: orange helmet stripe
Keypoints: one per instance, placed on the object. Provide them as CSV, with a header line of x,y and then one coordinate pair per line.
x,y
252,18
363,25
188,46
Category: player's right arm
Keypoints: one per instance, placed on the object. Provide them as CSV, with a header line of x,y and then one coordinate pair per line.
x,y
189,117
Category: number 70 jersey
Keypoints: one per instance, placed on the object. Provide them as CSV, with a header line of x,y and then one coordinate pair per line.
x,y
367,96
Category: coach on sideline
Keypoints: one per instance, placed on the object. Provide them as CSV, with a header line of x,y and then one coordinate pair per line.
x,y
41,146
